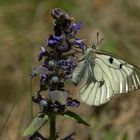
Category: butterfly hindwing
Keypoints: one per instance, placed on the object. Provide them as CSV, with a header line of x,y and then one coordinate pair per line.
x,y
104,76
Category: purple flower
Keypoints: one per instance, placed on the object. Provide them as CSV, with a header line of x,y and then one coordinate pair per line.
x,y
54,40
73,103
66,64
36,98
43,76
43,82
42,54
80,43
75,27
63,48
43,103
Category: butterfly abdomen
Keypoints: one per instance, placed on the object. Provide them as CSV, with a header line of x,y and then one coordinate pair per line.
x,y
78,72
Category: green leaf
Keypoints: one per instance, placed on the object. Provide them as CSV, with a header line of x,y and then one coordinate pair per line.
x,y
73,116
37,122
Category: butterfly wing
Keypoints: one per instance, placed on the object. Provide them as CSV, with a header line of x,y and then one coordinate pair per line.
x,y
105,76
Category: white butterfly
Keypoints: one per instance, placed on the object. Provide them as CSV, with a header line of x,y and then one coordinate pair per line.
x,y
104,76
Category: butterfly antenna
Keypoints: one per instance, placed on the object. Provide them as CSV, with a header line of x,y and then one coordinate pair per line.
x,y
97,38
20,90
98,41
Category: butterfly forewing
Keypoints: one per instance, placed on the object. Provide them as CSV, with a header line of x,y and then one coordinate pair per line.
x,y
104,76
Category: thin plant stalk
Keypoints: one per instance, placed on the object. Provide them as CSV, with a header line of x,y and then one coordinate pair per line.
x,y
53,126
31,104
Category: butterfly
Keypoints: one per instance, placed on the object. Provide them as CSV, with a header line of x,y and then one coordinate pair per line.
x,y
103,76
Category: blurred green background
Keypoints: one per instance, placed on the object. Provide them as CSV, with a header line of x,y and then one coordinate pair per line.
x,y
25,24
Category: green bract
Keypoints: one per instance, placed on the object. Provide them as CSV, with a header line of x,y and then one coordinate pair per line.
x,y
35,125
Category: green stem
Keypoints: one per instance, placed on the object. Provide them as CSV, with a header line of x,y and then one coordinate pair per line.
x,y
31,105
52,126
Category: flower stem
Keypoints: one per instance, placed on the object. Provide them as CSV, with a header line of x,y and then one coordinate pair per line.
x,y
52,126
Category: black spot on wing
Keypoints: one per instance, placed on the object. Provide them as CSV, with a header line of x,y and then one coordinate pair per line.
x,y
121,66
111,60
101,83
